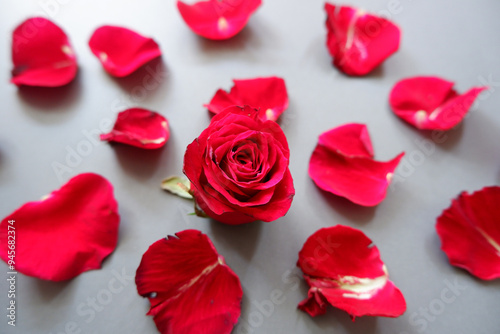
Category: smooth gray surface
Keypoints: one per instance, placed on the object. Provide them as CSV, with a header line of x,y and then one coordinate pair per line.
x,y
455,40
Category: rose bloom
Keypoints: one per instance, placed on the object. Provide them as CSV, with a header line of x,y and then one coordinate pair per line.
x,y
238,168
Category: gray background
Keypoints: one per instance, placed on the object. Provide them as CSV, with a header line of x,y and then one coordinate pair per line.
x,y
455,40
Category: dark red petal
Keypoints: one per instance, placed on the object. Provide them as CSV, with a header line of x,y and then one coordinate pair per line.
x,y
42,55
66,233
217,19
190,287
269,95
341,164
121,50
358,41
431,103
343,267
470,232
140,128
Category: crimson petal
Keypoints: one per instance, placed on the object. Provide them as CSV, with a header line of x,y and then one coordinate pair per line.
x,y
218,19
42,55
140,128
121,50
358,41
343,268
66,233
431,102
269,95
342,164
470,232
189,286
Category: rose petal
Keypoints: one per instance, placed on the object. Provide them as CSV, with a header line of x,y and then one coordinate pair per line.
x,y
121,50
190,287
343,267
431,102
42,55
217,19
341,164
269,95
470,232
358,41
140,128
68,232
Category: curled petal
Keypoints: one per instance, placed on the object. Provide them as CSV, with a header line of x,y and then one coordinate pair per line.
x,y
66,233
358,41
470,232
343,268
140,128
218,19
431,103
342,164
121,50
269,95
189,286
42,55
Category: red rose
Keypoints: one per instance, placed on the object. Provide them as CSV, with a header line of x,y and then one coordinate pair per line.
x,y
238,168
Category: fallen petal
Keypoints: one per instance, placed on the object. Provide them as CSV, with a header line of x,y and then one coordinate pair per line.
x,y
343,268
140,128
470,232
359,41
121,50
189,286
269,95
66,233
42,55
217,19
431,103
342,164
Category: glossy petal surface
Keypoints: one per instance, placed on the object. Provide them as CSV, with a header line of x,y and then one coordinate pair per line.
x,y
218,19
470,232
66,233
343,268
269,95
342,163
431,103
42,55
122,51
359,41
140,128
190,287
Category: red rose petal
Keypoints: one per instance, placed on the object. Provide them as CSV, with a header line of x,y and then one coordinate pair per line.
x,y
343,268
68,232
218,19
140,128
470,232
358,41
190,287
342,164
121,50
431,102
42,55
269,95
